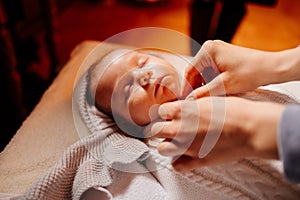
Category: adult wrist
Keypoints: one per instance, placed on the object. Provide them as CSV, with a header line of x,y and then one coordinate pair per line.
x,y
270,68
285,65
263,128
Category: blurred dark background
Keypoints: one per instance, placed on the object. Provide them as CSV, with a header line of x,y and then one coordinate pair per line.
x,y
37,36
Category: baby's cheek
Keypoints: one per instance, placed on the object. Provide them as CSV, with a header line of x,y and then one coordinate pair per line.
x,y
139,108
171,89
168,96
140,115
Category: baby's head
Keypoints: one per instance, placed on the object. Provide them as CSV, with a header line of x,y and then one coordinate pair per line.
x,y
130,84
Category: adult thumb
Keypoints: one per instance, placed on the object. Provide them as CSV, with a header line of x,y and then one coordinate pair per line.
x,y
213,88
169,111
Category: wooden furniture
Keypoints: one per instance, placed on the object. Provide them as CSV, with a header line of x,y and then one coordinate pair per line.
x,y
28,57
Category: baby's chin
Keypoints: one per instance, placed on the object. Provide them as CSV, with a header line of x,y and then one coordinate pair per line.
x,y
170,94
149,117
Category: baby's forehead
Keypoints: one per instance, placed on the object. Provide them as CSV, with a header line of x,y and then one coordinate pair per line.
x,y
118,53
120,57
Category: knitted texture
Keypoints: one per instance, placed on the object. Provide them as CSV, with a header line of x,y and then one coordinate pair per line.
x,y
92,161
88,163
250,178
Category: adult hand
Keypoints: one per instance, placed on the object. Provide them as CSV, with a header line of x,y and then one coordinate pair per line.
x,y
238,69
204,132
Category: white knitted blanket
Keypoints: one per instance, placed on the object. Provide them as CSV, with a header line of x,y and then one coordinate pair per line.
x,y
110,165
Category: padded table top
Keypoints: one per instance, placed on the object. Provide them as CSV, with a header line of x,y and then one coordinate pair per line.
x,y
46,133
50,128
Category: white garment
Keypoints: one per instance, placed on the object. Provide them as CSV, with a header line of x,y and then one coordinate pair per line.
x,y
113,165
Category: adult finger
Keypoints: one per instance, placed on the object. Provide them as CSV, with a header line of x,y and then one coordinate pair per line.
x,y
170,148
186,163
202,60
214,88
191,76
170,110
167,112
162,129
198,70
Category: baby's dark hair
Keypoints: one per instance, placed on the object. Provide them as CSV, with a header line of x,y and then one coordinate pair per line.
x,y
93,77
94,74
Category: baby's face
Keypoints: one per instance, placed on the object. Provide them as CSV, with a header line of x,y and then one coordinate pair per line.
x,y
137,83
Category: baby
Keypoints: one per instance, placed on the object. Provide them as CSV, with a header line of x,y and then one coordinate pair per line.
x,y
132,84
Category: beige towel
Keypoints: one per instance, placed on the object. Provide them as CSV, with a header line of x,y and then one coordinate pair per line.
x,y
121,167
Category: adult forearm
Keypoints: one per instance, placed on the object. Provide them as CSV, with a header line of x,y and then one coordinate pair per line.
x,y
281,66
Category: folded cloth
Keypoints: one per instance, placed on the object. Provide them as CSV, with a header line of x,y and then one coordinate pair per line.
x,y
109,164
88,163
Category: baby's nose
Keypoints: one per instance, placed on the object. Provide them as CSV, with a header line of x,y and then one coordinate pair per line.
x,y
144,77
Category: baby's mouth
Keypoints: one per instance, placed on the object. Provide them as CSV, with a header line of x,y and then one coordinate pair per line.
x,y
157,85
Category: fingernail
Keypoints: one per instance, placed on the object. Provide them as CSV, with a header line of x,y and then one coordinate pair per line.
x,y
190,98
153,112
162,112
152,130
156,128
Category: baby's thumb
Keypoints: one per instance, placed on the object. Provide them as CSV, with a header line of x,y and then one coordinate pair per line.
x,y
214,88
